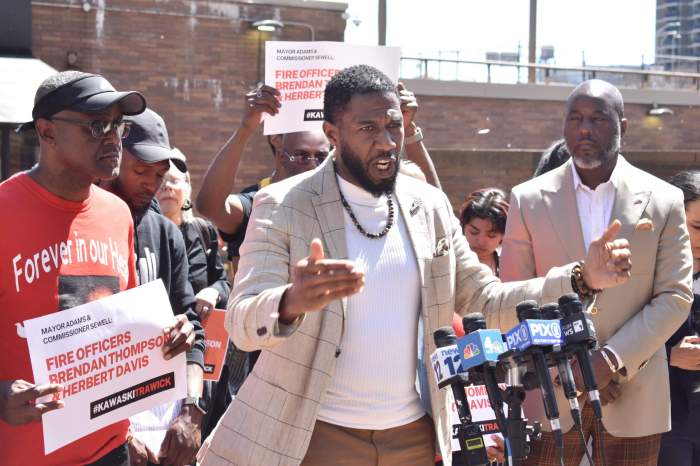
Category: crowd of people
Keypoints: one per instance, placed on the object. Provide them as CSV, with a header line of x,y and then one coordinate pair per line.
x,y
345,261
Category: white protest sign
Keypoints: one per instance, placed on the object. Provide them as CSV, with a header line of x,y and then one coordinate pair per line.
x,y
108,356
481,411
300,71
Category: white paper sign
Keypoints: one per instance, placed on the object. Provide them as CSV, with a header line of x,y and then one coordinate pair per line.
x,y
481,411
108,356
300,71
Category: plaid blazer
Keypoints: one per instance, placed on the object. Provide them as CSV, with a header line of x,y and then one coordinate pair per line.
x,y
271,420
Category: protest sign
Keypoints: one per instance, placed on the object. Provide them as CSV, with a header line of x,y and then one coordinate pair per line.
x,y
300,71
215,344
108,356
481,411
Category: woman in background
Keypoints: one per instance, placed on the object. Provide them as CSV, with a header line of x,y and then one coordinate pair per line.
x,y
483,217
681,446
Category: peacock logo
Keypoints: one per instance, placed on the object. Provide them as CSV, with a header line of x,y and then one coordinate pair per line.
x,y
471,350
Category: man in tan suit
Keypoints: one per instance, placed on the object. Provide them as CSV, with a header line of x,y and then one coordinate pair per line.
x,y
551,222
338,327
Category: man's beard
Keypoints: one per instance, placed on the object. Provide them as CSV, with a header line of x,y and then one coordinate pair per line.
x,y
117,188
354,165
602,156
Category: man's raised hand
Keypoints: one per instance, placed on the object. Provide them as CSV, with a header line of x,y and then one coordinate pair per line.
x,y
609,260
409,105
263,99
316,281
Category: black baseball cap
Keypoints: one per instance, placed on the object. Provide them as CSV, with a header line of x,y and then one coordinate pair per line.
x,y
88,93
148,140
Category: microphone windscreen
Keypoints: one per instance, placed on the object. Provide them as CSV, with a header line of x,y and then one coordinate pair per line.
x,y
444,336
550,311
570,304
473,321
527,310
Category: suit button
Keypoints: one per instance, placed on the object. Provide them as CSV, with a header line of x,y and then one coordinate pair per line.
x,y
337,352
262,331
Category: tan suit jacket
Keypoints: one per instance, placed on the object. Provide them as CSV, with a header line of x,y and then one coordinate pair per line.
x,y
271,420
636,318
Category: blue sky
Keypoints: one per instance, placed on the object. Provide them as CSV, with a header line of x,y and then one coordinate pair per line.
x,y
611,32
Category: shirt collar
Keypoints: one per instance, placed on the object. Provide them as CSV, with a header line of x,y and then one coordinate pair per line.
x,y
613,181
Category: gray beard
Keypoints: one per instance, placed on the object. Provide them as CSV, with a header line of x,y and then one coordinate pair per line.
x,y
604,156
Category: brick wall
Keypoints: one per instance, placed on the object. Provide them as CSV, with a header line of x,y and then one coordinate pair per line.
x,y
454,123
462,172
193,60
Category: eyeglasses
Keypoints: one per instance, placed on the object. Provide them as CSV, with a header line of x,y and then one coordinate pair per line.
x,y
101,129
303,158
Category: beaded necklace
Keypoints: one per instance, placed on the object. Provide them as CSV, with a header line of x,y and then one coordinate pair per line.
x,y
389,222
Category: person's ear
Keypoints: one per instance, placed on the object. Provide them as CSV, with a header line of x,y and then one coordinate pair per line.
x,y
46,131
332,133
623,126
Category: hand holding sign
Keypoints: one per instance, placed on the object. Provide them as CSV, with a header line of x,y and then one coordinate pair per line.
x,y
17,401
409,105
206,301
263,99
181,337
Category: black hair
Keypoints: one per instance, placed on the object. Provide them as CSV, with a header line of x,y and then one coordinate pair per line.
x,y
689,182
553,157
358,79
489,204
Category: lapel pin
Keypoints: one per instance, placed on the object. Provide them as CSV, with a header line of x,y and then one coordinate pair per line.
x,y
415,207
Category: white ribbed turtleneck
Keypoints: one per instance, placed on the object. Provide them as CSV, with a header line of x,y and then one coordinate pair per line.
x,y
374,382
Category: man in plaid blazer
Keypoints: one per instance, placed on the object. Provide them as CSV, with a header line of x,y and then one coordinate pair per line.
x,y
317,246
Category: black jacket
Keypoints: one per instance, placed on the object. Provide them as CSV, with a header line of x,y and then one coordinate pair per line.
x,y
685,385
160,253
206,266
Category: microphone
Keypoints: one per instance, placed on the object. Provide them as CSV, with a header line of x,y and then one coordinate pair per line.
x,y
530,336
580,337
561,360
480,349
471,442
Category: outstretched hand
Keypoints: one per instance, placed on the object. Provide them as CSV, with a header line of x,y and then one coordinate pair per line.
x,y
316,281
609,260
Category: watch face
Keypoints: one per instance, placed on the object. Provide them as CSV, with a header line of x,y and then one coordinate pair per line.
x,y
197,402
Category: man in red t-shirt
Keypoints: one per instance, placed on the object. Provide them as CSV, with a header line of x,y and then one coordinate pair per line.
x,y
55,220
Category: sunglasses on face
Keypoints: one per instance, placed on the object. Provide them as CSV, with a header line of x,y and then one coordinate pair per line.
x,y
100,129
303,158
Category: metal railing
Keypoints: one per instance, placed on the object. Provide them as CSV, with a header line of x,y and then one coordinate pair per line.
x,y
546,73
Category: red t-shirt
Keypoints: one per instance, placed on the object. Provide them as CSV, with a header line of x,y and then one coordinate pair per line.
x,y
54,255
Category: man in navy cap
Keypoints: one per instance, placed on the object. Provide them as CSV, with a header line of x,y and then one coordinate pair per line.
x,y
161,254
78,119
